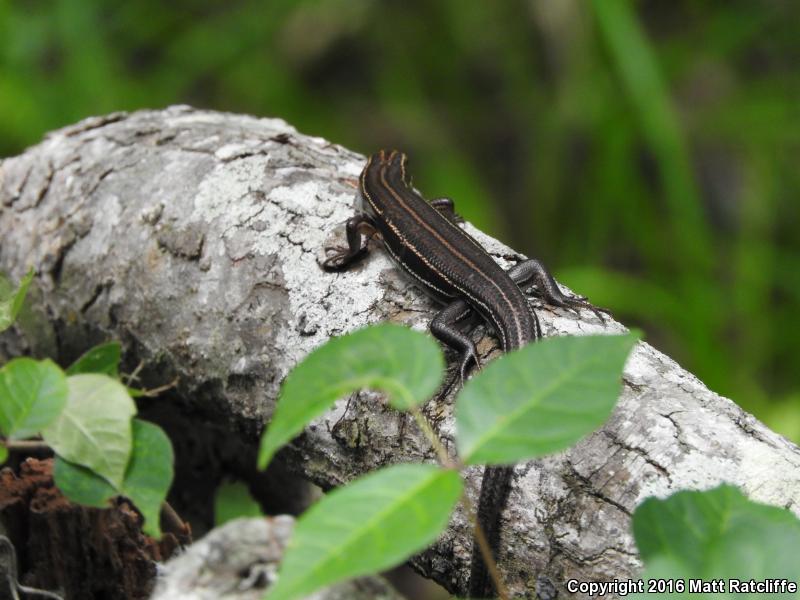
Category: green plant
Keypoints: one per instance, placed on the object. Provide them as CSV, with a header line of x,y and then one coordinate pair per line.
x,y
717,544
11,299
534,401
233,500
86,415
529,403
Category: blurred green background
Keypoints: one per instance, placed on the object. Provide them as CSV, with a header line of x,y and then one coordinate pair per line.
x,y
647,151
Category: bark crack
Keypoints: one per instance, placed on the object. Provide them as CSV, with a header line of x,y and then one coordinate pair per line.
x,y
661,469
678,433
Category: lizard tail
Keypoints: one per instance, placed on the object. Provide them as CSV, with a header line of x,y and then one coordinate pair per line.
x,y
495,488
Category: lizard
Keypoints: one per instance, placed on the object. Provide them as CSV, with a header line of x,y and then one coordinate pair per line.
x,y
425,239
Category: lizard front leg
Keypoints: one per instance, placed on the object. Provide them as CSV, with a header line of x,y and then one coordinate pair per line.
x,y
356,228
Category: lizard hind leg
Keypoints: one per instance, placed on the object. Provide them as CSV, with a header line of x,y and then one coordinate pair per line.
x,y
533,272
443,327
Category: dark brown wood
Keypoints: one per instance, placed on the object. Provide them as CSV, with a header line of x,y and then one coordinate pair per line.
x,y
80,552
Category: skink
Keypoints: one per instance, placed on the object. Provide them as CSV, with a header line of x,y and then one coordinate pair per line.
x,y
425,239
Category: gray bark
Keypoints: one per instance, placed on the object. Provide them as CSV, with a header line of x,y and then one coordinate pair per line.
x,y
195,238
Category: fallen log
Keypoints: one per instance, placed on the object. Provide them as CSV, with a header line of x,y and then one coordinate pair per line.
x,y
195,238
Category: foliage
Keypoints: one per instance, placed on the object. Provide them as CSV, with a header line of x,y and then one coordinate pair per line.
x,y
11,299
718,534
103,358
368,526
562,389
34,393
533,401
392,358
233,500
94,428
146,481
86,416
536,400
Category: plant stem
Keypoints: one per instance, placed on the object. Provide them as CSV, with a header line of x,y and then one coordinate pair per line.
x,y
438,447
483,546
469,509
153,392
134,375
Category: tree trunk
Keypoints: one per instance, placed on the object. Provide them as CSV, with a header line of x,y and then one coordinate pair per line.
x,y
195,238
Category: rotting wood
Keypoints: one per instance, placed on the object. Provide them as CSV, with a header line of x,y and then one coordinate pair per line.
x,y
77,551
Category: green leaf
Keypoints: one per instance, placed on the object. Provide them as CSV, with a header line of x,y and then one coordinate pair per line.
x,y
11,301
32,395
540,399
149,473
81,485
94,429
233,501
3,454
406,364
372,524
147,478
103,358
718,534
